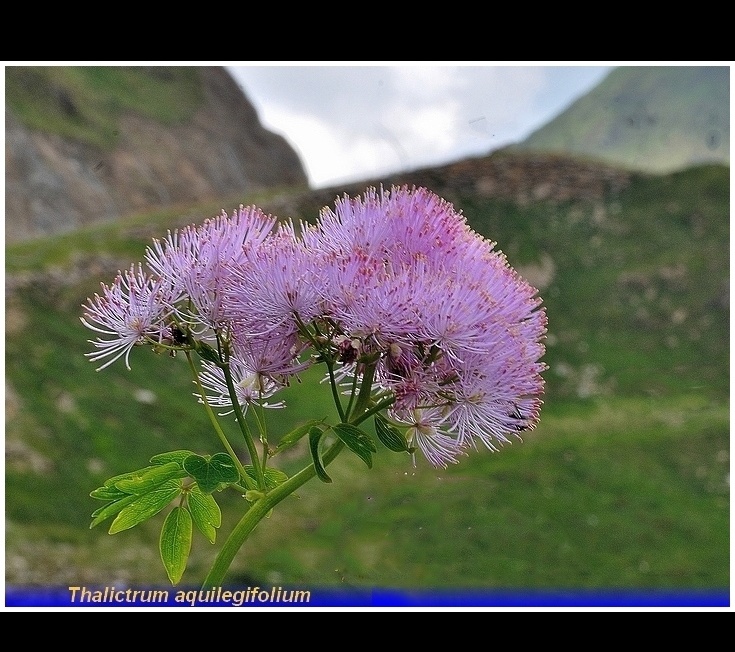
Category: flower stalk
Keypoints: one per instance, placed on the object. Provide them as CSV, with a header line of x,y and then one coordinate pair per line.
x,y
256,513
217,428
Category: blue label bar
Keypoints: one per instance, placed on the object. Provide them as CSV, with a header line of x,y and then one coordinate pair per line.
x,y
277,596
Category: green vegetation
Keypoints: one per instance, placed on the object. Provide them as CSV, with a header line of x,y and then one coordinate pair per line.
x,y
650,118
624,484
88,102
638,298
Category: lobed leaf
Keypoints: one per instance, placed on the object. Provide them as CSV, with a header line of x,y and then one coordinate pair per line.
x,y
273,477
146,506
210,472
390,436
205,512
149,479
175,542
108,493
207,352
124,476
172,456
358,441
106,511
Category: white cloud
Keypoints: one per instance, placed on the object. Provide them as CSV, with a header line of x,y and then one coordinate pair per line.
x,y
357,122
424,133
332,154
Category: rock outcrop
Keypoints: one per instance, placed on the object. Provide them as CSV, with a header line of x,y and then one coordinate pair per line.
x,y
520,177
55,184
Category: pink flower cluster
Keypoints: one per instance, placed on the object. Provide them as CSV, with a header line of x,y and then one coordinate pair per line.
x,y
451,331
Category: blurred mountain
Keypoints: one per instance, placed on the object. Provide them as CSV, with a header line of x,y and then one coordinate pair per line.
x,y
646,118
89,144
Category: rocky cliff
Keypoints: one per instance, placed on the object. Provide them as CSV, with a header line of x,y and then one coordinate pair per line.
x,y
56,182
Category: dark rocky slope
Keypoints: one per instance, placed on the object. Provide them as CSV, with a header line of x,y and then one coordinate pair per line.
x,y
56,183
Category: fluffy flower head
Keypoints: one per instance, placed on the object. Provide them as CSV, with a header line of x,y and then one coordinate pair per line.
x,y
394,286
459,332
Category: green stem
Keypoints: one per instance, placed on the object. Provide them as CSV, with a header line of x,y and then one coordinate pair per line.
x,y
328,360
256,513
380,405
215,424
353,394
259,412
263,506
244,428
335,391
366,388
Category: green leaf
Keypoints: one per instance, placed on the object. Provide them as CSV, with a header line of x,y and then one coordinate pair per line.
x,y
315,435
207,352
273,477
390,436
175,543
206,513
146,506
106,511
133,482
173,456
357,441
107,493
210,472
294,436
124,476
150,478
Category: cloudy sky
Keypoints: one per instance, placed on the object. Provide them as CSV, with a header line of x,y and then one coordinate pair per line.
x,y
354,121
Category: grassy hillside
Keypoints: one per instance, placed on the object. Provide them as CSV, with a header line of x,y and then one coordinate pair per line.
x,y
625,484
651,118
86,102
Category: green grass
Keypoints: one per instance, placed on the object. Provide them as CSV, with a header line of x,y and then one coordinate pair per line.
x,y
121,241
640,284
585,502
623,485
88,102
